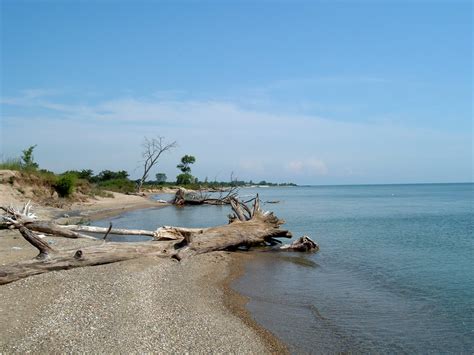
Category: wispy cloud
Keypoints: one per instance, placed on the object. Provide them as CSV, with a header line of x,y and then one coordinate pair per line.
x,y
325,80
226,137
310,167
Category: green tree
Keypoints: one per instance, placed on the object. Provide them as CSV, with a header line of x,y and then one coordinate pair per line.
x,y
184,179
161,178
86,174
27,159
186,161
106,175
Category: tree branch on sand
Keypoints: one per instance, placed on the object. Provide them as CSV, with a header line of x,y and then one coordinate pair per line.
x,y
248,227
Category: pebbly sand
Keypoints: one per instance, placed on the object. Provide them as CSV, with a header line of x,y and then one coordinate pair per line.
x,y
142,305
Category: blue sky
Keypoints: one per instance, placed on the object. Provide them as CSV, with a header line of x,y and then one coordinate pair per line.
x,y
315,92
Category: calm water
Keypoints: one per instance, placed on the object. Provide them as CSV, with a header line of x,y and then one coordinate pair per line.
x,y
394,274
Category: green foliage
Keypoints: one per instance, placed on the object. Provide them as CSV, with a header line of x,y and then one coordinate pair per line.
x,y
47,177
65,184
86,174
106,175
185,162
27,159
118,185
11,164
106,180
185,179
161,178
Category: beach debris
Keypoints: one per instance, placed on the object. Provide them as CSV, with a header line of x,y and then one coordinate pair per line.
x,y
248,226
203,197
19,215
303,243
16,217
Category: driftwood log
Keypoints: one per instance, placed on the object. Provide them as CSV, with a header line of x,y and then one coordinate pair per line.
x,y
248,227
303,243
186,197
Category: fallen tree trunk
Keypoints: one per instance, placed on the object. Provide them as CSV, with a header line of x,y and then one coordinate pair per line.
x,y
248,227
102,230
50,259
184,197
162,233
55,229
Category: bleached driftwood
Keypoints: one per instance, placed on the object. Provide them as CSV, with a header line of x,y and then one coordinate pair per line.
x,y
248,227
303,243
185,197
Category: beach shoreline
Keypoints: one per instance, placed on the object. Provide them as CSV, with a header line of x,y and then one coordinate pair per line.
x,y
236,303
28,300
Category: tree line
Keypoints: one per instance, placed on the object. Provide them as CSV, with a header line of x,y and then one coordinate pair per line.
x,y
152,150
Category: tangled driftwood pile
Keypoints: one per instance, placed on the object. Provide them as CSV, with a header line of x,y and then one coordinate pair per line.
x,y
248,227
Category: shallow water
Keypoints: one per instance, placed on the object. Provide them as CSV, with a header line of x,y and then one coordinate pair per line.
x,y
394,273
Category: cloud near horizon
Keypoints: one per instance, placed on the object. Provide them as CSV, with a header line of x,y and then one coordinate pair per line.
x,y
225,138
312,167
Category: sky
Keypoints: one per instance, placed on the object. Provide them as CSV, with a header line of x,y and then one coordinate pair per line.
x,y
312,92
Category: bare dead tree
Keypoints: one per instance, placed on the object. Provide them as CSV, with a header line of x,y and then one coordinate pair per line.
x,y
152,150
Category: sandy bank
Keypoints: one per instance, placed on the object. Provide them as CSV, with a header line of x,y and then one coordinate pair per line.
x,y
92,208
101,207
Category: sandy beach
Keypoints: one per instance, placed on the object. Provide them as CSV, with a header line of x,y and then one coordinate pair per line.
x,y
141,305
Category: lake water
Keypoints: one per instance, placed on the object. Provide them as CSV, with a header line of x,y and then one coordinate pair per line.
x,y
394,273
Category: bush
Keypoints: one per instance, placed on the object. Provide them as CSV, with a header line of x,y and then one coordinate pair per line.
x,y
64,186
107,175
118,185
184,179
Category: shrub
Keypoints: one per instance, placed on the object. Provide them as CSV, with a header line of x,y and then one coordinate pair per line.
x,y
118,185
64,186
107,175
184,179
86,174
27,159
48,178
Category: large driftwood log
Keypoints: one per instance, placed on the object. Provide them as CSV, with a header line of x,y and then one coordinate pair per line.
x,y
186,197
102,230
55,229
50,259
28,219
247,227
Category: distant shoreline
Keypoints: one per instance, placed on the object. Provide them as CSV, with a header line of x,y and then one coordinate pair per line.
x,y
390,184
